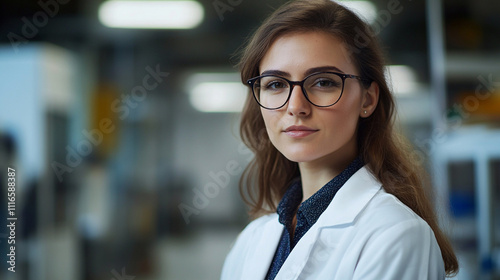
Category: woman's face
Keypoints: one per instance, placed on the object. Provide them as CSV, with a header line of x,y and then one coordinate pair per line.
x,y
323,135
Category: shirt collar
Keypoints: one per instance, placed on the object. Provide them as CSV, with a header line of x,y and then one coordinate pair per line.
x,y
314,206
288,204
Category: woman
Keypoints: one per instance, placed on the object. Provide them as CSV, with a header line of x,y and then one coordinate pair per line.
x,y
345,198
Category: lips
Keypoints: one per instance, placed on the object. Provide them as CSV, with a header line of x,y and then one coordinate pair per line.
x,y
299,131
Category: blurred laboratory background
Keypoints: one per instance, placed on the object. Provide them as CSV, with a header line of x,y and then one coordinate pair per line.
x,y
121,120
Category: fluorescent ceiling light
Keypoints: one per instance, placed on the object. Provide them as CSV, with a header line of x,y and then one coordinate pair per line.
x,y
402,79
151,14
216,92
364,9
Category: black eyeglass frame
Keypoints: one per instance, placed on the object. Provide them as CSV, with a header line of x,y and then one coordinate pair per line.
x,y
343,76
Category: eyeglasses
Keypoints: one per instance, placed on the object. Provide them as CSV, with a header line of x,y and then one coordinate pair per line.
x,y
322,89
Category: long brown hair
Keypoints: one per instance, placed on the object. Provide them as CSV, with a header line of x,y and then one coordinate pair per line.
x,y
387,156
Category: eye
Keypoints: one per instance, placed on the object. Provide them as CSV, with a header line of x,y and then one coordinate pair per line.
x,y
276,84
326,83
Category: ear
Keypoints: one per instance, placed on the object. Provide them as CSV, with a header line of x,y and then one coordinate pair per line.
x,y
369,100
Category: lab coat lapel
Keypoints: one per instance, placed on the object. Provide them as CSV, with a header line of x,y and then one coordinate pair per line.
x,y
349,201
260,260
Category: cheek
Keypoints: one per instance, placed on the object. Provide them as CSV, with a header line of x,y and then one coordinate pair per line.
x,y
272,121
344,117
351,97
340,124
265,117
350,103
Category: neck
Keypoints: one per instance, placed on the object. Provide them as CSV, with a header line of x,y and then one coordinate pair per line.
x,y
314,175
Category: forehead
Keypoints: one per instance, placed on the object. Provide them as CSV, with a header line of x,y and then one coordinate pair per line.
x,y
296,52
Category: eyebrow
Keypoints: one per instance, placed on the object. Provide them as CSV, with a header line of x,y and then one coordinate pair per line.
x,y
307,73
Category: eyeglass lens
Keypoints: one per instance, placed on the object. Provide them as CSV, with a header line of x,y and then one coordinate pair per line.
x,y
322,89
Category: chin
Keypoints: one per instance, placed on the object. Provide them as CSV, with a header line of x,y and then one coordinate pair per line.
x,y
299,156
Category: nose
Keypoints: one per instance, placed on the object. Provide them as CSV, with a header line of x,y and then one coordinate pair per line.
x,y
298,104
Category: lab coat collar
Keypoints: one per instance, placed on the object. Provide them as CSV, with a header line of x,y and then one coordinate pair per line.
x,y
350,199
347,204
344,208
260,260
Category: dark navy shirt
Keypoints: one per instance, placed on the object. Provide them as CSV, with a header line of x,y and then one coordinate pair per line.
x,y
307,214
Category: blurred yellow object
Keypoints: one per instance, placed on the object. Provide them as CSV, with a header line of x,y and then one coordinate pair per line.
x,y
101,104
481,107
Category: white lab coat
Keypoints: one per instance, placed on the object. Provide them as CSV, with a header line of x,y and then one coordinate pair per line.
x,y
365,233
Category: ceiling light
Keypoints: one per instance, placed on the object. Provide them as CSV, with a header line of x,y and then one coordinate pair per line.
x,y
151,14
216,92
